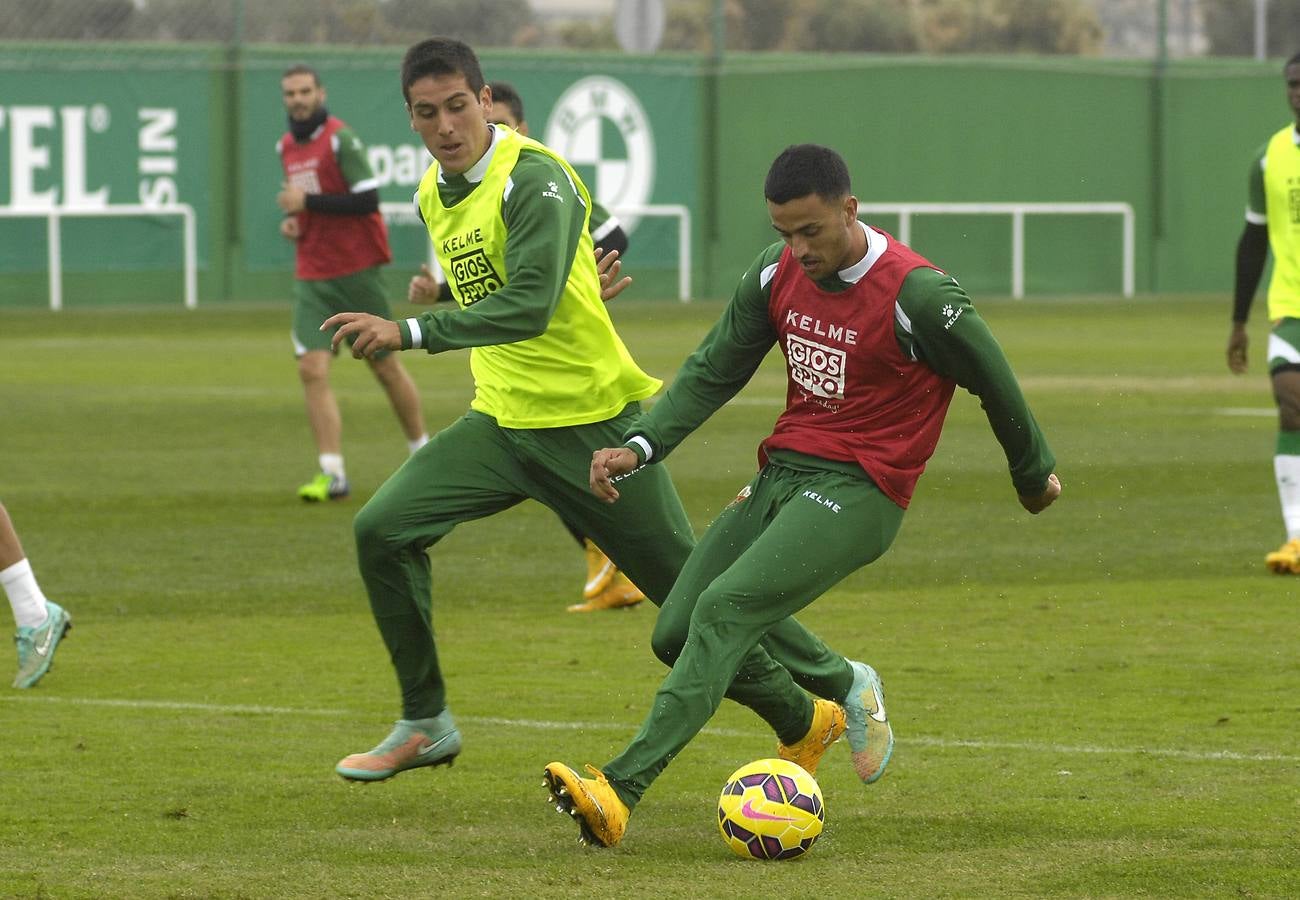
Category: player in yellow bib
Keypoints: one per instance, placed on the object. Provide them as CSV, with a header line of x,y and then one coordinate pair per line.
x,y
1273,222
553,383
605,587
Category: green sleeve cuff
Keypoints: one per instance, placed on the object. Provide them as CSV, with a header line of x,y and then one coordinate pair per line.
x,y
640,447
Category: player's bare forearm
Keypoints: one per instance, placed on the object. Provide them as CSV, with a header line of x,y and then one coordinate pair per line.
x,y
1237,345
1036,503
607,466
370,334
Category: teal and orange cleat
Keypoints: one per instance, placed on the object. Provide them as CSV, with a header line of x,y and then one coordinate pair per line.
x,y
871,737
411,744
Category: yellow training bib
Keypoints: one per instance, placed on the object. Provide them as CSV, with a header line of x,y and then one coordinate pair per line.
x,y
1282,199
576,372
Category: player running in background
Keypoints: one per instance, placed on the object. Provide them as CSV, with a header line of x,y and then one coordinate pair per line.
x,y
508,109
553,384
41,623
1272,219
606,587
330,201
875,339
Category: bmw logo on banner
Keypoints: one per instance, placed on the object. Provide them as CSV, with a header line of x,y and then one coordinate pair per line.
x,y
600,127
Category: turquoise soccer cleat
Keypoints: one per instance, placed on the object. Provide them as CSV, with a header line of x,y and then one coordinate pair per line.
x,y
871,737
36,646
410,745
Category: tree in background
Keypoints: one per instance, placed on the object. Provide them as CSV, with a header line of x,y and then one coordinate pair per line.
x,y
1230,27
1007,26
796,26
862,26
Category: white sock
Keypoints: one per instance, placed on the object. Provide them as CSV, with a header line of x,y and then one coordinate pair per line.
x,y
332,464
1287,470
24,594
417,443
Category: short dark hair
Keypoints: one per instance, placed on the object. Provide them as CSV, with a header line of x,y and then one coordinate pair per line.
x,y
804,169
1291,62
301,69
504,92
437,57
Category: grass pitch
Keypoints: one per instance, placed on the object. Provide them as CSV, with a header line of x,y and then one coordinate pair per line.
x,y
1097,702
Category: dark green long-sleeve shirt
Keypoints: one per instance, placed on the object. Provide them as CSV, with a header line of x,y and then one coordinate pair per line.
x,y
935,323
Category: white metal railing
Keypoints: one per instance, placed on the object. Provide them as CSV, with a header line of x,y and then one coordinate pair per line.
x,y
683,216
1017,211
55,214
405,212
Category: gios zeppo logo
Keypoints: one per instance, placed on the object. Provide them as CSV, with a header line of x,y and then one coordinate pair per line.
x,y
600,127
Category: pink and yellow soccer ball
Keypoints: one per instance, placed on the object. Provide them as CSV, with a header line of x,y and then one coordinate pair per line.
x,y
771,809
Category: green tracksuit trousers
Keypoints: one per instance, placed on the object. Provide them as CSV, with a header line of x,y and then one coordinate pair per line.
x,y
800,530
475,468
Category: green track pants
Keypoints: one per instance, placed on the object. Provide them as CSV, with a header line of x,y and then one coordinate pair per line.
x,y
766,556
475,468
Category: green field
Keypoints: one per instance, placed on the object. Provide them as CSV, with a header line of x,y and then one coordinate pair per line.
x,y
1101,701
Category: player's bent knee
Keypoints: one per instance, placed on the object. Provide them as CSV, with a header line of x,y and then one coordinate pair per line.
x,y
373,530
667,645
314,366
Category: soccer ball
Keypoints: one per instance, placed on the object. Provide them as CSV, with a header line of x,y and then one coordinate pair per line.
x,y
770,809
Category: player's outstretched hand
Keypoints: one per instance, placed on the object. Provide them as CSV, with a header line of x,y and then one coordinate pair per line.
x,y
371,333
1237,343
1036,503
608,267
424,287
289,228
606,466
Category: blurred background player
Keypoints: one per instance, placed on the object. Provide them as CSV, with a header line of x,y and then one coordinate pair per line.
x,y
1272,220
606,587
330,201
508,109
41,623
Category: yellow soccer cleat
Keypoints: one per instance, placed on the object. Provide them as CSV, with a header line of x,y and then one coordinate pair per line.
x,y
828,724
621,592
600,814
600,571
1285,560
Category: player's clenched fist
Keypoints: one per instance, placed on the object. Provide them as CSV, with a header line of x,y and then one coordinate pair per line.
x,y
369,334
1036,503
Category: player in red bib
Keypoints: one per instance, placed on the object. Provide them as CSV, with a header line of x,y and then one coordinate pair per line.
x,y
875,340
330,201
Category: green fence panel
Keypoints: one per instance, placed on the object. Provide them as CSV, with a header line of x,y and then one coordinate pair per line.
x,y
138,128
197,125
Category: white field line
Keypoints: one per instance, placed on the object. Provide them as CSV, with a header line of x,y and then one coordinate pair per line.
x,y
545,725
1250,411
